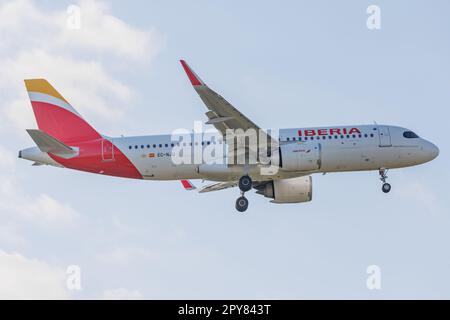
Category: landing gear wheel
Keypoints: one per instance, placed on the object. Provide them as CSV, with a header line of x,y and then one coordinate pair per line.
x,y
386,186
245,183
241,204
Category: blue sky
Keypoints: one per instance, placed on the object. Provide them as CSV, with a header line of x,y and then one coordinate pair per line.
x,y
288,64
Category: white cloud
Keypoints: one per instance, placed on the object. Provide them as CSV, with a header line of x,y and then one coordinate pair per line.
x,y
105,33
24,25
122,294
128,255
420,193
17,206
23,278
10,235
6,159
48,211
36,43
86,66
85,84
43,210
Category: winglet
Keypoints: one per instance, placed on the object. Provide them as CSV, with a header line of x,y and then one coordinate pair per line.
x,y
188,185
193,77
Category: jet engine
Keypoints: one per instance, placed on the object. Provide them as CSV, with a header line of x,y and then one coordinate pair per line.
x,y
293,190
298,156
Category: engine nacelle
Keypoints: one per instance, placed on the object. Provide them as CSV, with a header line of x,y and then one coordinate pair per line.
x,y
298,156
292,190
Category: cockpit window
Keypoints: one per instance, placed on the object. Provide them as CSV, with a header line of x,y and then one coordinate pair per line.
x,y
410,134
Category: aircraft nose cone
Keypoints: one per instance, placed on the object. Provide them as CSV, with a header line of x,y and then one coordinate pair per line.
x,y
434,152
431,151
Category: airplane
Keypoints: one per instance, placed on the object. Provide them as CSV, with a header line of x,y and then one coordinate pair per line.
x,y
281,170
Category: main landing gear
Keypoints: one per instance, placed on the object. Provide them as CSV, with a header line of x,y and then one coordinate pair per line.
x,y
245,184
386,187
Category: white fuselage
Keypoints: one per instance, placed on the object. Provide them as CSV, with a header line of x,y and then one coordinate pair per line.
x,y
370,147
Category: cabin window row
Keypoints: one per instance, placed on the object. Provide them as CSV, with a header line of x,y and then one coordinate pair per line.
x,y
166,145
348,136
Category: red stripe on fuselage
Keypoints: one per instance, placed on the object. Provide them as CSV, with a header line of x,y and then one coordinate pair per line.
x,y
90,159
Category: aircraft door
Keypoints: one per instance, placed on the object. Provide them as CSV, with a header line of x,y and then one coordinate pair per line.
x,y
107,150
384,136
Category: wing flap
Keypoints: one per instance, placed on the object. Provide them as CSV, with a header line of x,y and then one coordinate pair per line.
x,y
218,186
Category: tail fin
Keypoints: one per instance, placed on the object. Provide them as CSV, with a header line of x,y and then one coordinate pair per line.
x,y
55,116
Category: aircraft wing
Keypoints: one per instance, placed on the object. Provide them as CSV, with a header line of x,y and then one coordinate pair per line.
x,y
222,115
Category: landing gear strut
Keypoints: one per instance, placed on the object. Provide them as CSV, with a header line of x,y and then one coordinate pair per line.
x,y
386,187
245,184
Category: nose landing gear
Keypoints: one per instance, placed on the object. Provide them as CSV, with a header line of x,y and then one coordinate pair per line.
x,y
386,187
245,184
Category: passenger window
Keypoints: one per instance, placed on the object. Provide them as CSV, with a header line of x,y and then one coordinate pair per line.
x,y
287,139
371,135
135,147
342,136
166,145
410,135
129,147
160,145
365,136
172,145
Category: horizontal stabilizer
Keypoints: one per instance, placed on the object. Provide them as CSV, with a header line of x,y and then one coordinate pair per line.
x,y
47,143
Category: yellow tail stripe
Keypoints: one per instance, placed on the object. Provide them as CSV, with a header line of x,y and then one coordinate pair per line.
x,y
42,86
